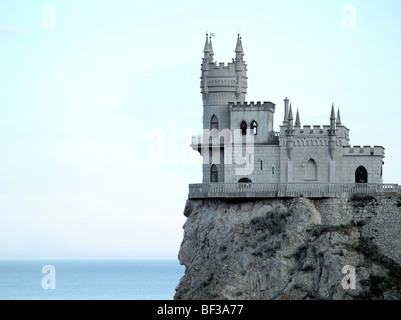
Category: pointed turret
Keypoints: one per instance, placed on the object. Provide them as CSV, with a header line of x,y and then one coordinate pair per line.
x,y
332,120
297,121
290,116
211,54
333,114
208,50
238,49
290,133
332,132
338,121
240,70
290,127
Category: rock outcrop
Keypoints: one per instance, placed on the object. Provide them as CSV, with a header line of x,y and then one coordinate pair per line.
x,y
295,248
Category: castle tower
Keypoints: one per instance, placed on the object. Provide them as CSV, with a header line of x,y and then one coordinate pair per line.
x,y
222,83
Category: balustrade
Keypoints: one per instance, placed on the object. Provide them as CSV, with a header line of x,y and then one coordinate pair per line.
x,y
278,190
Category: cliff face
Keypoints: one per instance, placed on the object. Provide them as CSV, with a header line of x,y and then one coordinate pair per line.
x,y
291,249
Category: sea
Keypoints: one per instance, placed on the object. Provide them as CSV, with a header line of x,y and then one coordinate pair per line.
x,y
89,279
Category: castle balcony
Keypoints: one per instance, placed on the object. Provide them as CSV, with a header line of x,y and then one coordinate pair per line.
x,y
288,190
198,142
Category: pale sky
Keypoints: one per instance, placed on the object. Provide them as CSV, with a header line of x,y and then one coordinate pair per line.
x,y
99,99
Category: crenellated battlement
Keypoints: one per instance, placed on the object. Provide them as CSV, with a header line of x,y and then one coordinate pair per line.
x,y
364,150
251,105
308,130
222,69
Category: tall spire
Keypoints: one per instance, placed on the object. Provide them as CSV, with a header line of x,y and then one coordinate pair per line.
x,y
333,114
338,121
297,121
290,116
208,50
290,133
238,49
211,48
332,131
207,47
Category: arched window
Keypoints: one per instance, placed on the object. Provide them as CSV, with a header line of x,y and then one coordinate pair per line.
x,y
311,170
214,174
254,127
243,127
244,180
361,175
214,123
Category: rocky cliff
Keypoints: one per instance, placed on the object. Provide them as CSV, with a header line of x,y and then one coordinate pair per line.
x,y
295,248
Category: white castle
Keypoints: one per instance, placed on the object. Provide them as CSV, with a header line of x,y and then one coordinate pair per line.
x,y
244,157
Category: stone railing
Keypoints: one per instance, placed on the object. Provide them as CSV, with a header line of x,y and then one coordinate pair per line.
x,y
282,190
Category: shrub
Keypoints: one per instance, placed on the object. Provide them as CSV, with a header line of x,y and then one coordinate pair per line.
x,y
361,199
270,221
378,285
317,231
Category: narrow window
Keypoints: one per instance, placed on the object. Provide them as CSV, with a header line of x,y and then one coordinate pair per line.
x,y
273,171
254,127
214,123
244,126
214,174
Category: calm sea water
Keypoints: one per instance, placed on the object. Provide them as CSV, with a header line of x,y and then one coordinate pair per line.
x,y
90,279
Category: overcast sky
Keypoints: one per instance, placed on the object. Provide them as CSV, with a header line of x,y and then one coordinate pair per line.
x,y
99,99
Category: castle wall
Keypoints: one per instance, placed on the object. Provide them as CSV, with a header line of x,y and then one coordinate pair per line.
x,y
263,167
372,163
263,114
